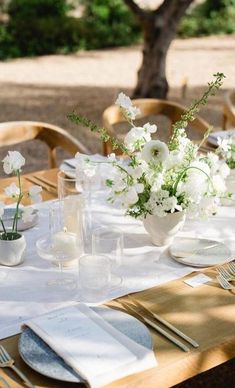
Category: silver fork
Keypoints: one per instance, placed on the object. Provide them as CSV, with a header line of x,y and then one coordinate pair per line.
x,y
224,283
225,274
231,267
6,361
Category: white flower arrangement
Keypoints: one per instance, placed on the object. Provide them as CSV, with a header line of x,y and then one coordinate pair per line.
x,y
13,163
226,149
160,178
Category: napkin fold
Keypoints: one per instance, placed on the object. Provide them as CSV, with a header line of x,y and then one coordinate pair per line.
x,y
90,345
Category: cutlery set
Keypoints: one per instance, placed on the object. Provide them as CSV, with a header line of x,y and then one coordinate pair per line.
x,y
6,361
226,275
150,318
45,183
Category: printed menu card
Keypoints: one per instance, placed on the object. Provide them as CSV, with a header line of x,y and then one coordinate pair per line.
x,y
90,345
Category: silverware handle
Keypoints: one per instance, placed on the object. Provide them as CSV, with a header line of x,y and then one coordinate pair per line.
x,y
177,331
167,335
22,376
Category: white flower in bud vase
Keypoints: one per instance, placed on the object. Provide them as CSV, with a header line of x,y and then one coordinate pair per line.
x,y
155,150
2,208
12,190
13,162
27,214
34,193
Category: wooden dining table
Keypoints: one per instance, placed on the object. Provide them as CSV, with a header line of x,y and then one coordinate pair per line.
x,y
205,313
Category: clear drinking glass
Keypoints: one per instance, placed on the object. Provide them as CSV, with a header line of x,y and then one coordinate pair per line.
x,y
94,277
63,245
67,183
109,241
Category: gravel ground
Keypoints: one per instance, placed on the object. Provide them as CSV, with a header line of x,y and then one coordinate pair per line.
x,y
47,88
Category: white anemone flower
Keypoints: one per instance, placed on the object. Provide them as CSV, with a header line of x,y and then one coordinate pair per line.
x,y
155,150
2,207
27,214
34,193
12,190
13,162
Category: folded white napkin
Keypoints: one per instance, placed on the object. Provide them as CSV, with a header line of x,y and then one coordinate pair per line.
x,y
91,346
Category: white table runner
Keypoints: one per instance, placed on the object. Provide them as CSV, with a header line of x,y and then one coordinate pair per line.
x,y
24,292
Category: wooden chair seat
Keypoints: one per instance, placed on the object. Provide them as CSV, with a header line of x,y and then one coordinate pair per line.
x,y
15,132
229,110
148,107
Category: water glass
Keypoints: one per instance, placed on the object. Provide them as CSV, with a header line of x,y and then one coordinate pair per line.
x,y
67,183
109,241
94,277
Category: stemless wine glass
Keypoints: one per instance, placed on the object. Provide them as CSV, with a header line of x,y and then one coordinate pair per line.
x,y
63,245
109,241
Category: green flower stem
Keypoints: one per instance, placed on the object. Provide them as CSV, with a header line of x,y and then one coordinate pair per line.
x,y
3,226
181,175
15,221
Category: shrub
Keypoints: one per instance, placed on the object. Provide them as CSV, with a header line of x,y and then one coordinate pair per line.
x,y
210,17
39,27
107,23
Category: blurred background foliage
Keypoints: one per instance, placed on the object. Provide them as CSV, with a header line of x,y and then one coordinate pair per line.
x,y
209,18
37,27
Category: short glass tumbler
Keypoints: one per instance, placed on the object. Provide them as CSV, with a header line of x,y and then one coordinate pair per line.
x,y
94,277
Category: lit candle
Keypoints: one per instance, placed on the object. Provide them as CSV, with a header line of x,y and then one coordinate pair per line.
x,y
65,244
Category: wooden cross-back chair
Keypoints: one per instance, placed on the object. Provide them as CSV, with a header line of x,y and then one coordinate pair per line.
x,y
15,132
229,110
148,107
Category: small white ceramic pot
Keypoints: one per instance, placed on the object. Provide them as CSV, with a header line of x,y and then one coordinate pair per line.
x,y
162,230
12,252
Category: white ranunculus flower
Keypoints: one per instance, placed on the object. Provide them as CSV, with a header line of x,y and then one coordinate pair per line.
x,y
2,207
13,162
155,150
224,144
12,190
27,214
34,193
175,158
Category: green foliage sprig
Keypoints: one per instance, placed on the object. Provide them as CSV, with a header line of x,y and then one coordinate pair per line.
x,y
193,109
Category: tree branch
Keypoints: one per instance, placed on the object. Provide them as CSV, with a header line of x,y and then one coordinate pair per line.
x,y
139,12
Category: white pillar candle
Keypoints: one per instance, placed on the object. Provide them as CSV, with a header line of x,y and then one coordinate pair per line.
x,y
65,244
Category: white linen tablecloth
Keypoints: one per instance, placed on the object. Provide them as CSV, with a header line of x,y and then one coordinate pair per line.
x,y
24,292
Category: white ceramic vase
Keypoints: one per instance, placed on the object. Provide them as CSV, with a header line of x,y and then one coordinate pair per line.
x,y
162,230
230,185
12,252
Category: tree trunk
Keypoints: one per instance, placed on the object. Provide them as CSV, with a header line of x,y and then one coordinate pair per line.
x,y
159,27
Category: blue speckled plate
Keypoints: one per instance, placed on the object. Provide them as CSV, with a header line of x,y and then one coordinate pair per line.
x,y
40,357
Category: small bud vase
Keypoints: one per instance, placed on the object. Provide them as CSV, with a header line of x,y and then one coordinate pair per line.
x,y
162,230
12,251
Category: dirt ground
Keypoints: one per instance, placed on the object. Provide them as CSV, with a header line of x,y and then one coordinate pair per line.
x,y
48,88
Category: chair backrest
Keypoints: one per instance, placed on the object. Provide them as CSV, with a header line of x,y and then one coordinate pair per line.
x,y
148,107
229,110
15,132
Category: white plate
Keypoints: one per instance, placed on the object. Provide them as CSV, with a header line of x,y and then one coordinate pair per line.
x,y
199,252
21,225
212,138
